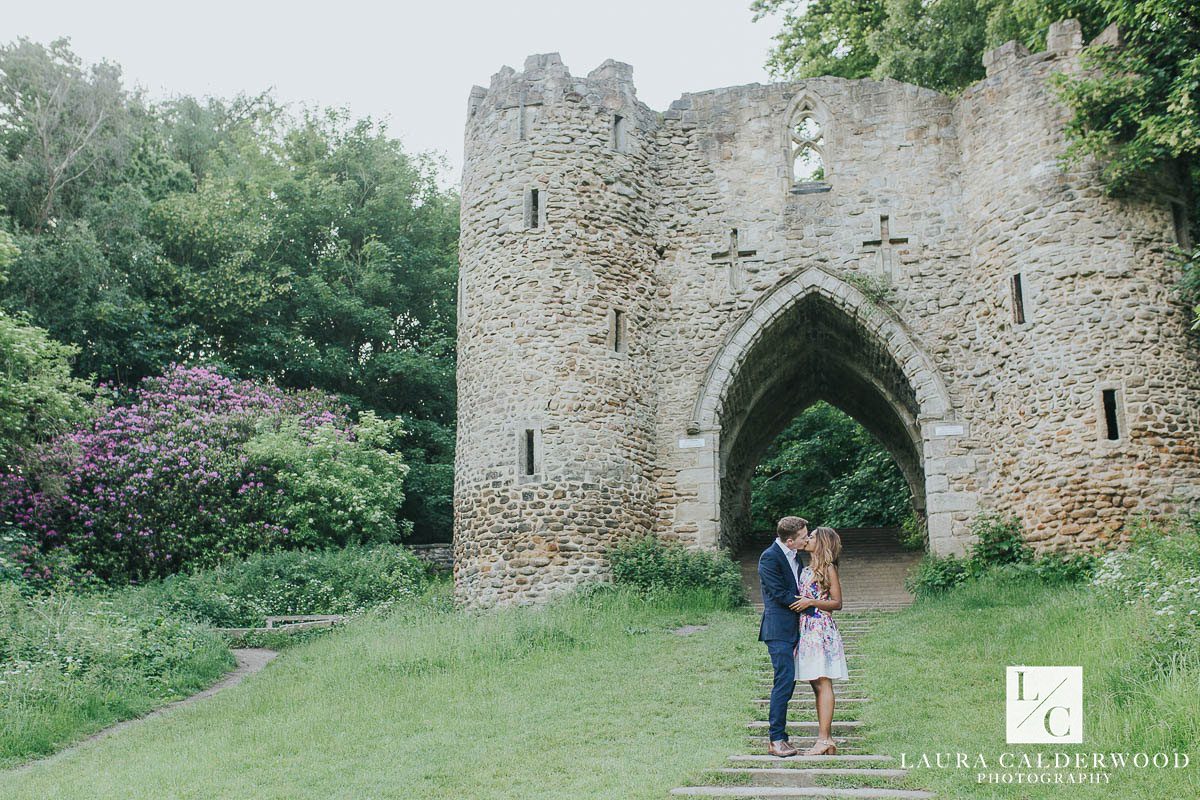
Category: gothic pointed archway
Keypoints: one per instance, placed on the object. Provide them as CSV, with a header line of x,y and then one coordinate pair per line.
x,y
817,337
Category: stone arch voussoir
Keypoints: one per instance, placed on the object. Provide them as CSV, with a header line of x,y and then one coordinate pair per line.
x,y
918,367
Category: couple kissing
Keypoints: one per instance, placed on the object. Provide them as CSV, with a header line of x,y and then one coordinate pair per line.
x,y
798,628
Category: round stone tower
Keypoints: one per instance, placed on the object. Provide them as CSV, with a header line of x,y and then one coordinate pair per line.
x,y
1090,391
555,406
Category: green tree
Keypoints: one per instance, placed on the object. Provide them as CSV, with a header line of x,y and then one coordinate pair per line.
x,y
62,127
825,467
822,37
309,250
1138,109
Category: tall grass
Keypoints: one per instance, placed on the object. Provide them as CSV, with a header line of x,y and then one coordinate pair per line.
x,y
70,665
594,697
936,672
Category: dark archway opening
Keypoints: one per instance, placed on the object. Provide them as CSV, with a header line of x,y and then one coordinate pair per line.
x,y
813,352
817,362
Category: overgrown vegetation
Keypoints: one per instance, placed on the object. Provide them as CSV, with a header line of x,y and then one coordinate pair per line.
x,y
304,249
653,567
1158,577
1133,628
401,700
74,661
346,581
1000,549
71,664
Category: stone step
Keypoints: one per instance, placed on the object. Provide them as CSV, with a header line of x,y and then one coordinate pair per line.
x,y
847,745
804,776
839,758
809,724
798,791
811,701
840,685
848,739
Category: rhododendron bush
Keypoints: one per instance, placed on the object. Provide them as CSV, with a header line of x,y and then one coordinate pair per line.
x,y
191,467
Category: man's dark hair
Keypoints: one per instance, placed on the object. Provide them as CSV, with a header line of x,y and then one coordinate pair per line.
x,y
788,527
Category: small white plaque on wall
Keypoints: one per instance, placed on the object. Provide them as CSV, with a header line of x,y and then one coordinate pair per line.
x,y
686,443
948,430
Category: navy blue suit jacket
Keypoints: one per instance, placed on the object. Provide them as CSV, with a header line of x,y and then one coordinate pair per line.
x,y
779,590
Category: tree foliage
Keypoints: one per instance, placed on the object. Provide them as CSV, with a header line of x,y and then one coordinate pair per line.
x,y
308,249
1138,108
938,44
826,468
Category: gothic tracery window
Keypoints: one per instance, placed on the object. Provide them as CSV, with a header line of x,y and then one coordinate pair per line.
x,y
808,145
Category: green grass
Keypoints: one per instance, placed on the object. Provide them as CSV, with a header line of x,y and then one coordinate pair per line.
x,y
936,674
71,665
588,698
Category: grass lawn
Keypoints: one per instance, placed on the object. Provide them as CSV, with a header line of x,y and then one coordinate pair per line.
x,y
936,672
590,698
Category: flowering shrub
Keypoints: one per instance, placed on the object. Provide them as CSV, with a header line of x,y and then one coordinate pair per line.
x,y
1159,573
163,478
334,487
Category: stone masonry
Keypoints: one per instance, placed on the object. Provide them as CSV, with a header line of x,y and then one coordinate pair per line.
x,y
648,298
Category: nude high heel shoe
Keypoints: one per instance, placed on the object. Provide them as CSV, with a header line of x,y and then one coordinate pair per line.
x,y
822,747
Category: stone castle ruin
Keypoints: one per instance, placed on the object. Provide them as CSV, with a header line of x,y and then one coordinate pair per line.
x,y
647,299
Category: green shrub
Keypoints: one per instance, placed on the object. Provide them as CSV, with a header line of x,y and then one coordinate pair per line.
x,y
914,534
244,593
38,396
999,540
333,489
651,565
935,574
1000,550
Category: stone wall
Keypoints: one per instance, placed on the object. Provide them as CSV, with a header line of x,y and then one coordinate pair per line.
x,y
627,352
438,555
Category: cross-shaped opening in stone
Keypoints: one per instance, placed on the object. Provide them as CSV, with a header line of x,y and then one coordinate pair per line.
x,y
884,245
733,257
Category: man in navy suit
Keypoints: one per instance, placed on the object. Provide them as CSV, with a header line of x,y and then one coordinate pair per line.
x,y
778,572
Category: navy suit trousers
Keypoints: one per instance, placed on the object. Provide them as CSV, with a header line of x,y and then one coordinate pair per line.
x,y
784,664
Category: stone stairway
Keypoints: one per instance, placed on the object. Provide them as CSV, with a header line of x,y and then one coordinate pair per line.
x,y
873,567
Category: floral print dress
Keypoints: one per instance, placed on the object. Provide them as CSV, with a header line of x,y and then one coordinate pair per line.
x,y
819,652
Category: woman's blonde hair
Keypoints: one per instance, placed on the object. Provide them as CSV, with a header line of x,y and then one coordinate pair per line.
x,y
826,552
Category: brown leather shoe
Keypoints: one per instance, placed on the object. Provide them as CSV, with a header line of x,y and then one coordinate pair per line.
x,y
781,749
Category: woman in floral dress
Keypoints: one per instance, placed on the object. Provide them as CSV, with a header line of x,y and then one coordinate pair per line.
x,y
820,656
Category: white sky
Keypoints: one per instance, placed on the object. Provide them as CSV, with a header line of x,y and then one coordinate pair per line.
x,y
412,64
